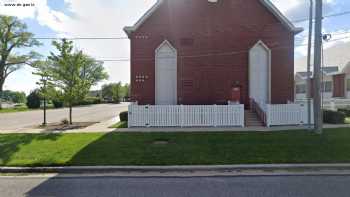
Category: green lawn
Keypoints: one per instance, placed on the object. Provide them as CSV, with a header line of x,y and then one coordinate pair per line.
x,y
120,125
19,108
183,148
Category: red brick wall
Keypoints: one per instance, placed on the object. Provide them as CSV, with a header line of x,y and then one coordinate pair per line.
x,y
198,28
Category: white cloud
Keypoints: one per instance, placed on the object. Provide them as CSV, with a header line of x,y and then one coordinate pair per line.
x,y
93,18
97,18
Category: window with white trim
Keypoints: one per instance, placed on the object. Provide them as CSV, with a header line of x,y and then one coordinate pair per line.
x,y
348,85
300,89
327,86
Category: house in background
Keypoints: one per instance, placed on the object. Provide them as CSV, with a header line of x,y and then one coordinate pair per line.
x,y
205,52
335,84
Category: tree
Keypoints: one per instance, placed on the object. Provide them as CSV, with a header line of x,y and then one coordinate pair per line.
x,y
112,91
73,73
33,100
14,36
13,96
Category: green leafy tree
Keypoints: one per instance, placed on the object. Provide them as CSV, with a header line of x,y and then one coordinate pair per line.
x,y
14,36
115,91
72,73
33,100
13,96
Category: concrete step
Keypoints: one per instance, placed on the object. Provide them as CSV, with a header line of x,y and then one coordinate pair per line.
x,y
252,119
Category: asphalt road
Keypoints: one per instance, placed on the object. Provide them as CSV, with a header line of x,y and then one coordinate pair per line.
x,y
92,113
275,186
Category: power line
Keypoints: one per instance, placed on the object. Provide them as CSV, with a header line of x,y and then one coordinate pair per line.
x,y
326,16
82,38
126,38
209,54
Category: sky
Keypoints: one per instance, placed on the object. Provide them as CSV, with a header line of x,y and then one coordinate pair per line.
x,y
106,18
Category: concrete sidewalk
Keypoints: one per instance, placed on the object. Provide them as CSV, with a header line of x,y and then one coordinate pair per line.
x,y
102,127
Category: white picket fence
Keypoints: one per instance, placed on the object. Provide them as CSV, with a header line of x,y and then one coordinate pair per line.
x,y
186,115
287,114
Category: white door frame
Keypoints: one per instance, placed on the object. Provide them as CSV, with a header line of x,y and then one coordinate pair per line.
x,y
261,43
165,42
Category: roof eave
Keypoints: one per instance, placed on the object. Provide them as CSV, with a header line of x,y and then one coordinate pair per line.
x,y
297,30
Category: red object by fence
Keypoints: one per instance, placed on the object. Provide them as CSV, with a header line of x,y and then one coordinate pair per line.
x,y
236,94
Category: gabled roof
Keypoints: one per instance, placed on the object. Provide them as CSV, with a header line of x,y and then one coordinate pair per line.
x,y
327,71
330,70
303,75
267,3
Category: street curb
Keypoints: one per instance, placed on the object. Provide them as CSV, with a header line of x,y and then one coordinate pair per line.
x,y
180,169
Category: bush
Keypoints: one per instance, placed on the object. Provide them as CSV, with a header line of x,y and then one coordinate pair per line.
x,y
89,101
345,111
33,100
123,116
333,117
57,104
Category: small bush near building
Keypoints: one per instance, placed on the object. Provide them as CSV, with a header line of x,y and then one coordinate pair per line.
x,y
90,101
123,116
345,111
57,104
33,100
334,117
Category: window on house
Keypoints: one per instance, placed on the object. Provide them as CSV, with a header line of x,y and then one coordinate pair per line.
x,y
327,86
301,89
348,84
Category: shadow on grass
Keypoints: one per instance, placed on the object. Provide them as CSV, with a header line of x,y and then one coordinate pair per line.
x,y
11,143
200,148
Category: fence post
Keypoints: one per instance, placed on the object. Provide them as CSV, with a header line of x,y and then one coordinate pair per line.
x,y
215,115
268,115
182,114
333,108
129,115
242,116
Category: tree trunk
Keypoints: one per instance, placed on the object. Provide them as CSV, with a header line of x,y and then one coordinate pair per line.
x,y
1,93
44,123
70,114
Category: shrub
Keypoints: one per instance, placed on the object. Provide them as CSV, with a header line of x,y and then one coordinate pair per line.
x,y
123,116
33,100
57,103
345,111
89,101
333,117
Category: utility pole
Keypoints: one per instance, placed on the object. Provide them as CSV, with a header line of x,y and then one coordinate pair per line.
x,y
308,84
317,68
45,100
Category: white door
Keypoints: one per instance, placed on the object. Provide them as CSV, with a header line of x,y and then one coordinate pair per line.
x,y
259,73
166,75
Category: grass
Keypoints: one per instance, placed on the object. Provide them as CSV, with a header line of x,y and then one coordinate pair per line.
x,y
180,148
19,108
120,125
22,108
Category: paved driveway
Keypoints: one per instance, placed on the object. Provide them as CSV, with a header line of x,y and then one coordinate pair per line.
x,y
280,186
93,113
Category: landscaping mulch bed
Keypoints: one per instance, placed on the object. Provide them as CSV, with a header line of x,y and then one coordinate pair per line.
x,y
66,127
